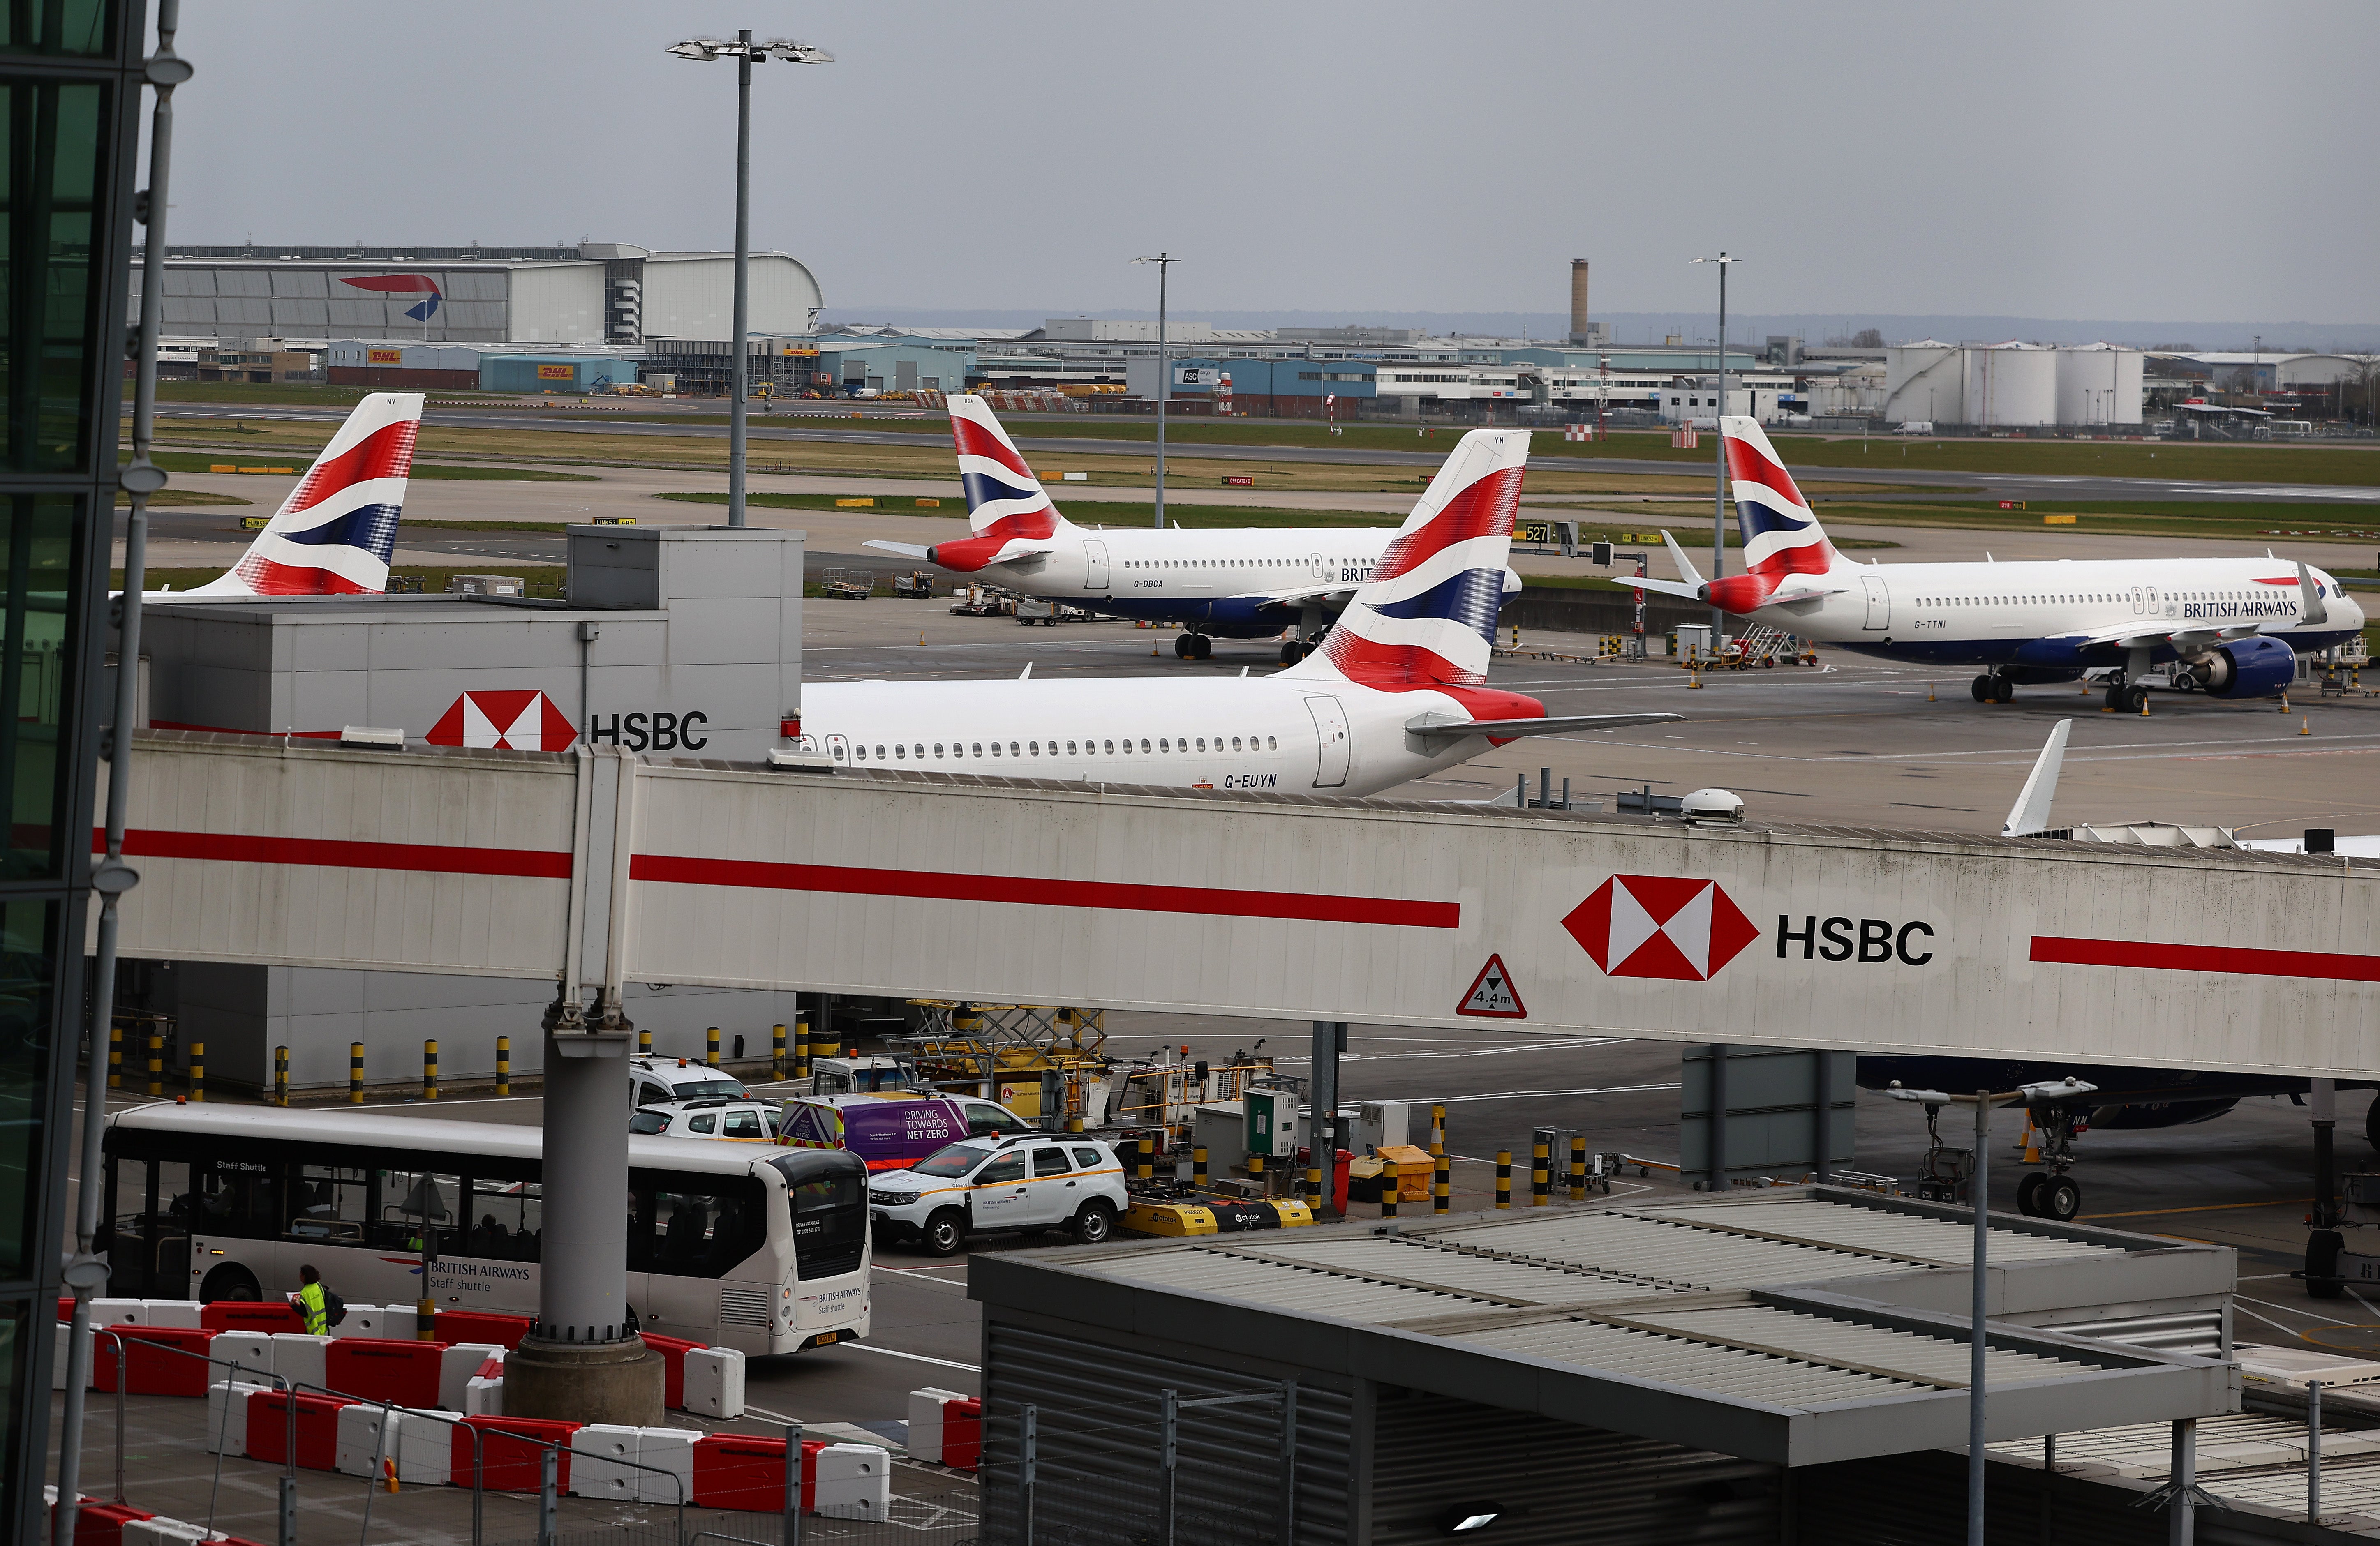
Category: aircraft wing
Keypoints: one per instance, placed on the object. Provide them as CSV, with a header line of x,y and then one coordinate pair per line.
x,y
1023,550
907,549
1337,595
1439,727
1667,587
2145,636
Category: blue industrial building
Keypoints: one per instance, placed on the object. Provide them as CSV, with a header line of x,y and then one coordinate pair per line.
x,y
561,373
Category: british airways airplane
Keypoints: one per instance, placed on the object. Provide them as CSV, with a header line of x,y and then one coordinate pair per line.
x,y
1395,691
335,532
1249,584
2227,627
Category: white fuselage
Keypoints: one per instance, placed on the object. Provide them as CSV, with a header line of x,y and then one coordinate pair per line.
x,y
1981,612
1203,564
1291,734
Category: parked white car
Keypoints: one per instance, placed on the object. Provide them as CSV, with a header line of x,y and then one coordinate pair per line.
x,y
656,1081
713,1117
996,1185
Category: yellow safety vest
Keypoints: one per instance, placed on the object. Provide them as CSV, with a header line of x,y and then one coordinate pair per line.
x,y
312,1305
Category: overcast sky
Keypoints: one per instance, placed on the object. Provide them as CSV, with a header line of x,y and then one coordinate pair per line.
x,y
2035,160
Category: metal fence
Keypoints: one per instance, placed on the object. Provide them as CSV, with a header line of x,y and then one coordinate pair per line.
x,y
936,1515
1214,1470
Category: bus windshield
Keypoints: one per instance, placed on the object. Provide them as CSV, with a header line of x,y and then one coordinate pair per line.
x,y
949,1163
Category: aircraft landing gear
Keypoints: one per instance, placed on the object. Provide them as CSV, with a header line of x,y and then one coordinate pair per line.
x,y
1991,687
1193,647
2050,1192
1293,651
2124,699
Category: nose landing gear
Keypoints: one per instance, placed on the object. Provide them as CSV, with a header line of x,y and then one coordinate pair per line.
x,y
2050,1192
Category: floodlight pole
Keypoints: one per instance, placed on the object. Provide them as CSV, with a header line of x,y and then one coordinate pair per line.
x,y
739,369
1979,1196
1164,262
1718,433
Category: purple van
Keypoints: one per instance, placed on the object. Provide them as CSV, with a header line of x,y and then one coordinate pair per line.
x,y
894,1130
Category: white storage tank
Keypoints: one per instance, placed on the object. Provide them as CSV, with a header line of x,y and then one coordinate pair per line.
x,y
1925,381
2012,385
2100,383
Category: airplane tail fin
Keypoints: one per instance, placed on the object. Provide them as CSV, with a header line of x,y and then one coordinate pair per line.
x,y
1427,615
2029,815
334,534
1781,534
1005,501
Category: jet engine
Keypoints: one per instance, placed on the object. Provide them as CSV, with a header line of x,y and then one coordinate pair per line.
x,y
2250,668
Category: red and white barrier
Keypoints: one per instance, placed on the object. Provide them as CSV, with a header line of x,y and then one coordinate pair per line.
x,y
473,1325
227,1415
372,1370
158,1360
389,1323
602,1462
511,1464
673,1350
298,1357
713,1383
366,1436
425,1452
262,1316
962,1434
854,1482
926,1421
96,1523
317,1423
158,1530
458,1365
748,1472
251,1350
670,1450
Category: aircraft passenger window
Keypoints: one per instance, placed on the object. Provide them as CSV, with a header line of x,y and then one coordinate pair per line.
x,y
979,747
1034,747
1070,748
1160,744
859,752
899,751
1235,743
1013,750
1127,746
921,751
1271,744
1202,743
995,748
1144,743
938,748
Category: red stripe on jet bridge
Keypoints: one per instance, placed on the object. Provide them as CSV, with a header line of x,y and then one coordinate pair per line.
x,y
239,847
2234,961
1032,891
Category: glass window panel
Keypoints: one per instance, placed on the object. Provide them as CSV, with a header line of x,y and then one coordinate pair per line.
x,y
27,936
36,540
50,138
330,1202
507,1220
81,28
409,1200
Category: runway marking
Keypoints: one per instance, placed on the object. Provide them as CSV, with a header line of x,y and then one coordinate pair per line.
x,y
2208,1208
2287,1310
916,1274
914,1357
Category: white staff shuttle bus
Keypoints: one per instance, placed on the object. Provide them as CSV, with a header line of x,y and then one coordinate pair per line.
x,y
762,1250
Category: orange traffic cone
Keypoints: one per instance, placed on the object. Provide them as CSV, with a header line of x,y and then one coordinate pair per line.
x,y
921,638
1929,692
2304,728
2144,705
2031,1141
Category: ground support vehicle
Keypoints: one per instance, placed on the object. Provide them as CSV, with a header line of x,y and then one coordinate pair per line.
x,y
1014,1185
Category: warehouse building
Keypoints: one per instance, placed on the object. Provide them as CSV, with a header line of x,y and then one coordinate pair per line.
x,y
594,292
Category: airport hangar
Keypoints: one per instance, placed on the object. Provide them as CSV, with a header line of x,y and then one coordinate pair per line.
x,y
600,866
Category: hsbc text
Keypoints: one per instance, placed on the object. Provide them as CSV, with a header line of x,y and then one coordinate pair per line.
x,y
658,731
1877,941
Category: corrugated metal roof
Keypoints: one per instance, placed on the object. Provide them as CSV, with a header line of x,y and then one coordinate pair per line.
x,y
1822,1221
1663,1251
1406,1258
1940,1361
1221,1275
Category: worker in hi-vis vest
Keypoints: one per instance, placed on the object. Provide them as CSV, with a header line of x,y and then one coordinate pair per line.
x,y
312,1301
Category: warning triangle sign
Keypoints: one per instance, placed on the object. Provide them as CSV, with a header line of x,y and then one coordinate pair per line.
x,y
1492,996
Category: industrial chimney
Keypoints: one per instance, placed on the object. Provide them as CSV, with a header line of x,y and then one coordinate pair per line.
x,y
1578,334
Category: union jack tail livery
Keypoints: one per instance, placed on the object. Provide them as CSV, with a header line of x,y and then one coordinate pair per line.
x,y
1011,517
334,532
1427,617
1781,535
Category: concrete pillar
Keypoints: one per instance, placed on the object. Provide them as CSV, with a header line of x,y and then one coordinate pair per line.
x,y
582,1362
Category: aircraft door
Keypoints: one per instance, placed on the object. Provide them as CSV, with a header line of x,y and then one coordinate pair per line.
x,y
1880,601
1319,572
1095,566
839,749
1331,728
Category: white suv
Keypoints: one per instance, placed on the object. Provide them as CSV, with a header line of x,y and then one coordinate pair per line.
x,y
714,1117
1000,1185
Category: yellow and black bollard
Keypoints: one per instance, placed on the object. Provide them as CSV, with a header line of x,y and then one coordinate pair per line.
x,y
1389,1188
281,1076
1442,1195
1437,1132
355,1073
1503,1177
777,1050
1198,1167
1540,1183
644,1041
504,1064
801,1046
430,1071
710,1046
116,1058
156,1064
1256,1174
198,1073
1147,1168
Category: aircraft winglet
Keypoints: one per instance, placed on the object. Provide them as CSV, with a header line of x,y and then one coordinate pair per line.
x,y
2031,812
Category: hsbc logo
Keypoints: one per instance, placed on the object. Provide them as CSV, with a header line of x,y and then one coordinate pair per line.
x,y
1660,927
514,719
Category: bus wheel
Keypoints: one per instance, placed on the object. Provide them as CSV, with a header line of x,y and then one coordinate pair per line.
x,y
946,1233
1094,1223
230,1282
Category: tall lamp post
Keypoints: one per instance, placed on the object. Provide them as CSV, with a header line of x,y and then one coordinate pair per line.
x,y
1979,1199
747,53
1164,262
1718,434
